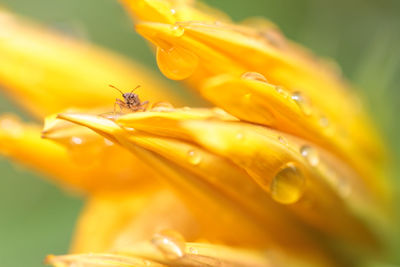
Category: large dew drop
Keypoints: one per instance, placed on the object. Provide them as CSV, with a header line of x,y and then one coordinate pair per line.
x,y
288,184
170,243
176,63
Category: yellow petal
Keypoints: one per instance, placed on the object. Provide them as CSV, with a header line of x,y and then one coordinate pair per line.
x,y
116,220
167,122
171,11
194,175
198,254
225,48
98,260
290,176
82,163
46,72
255,100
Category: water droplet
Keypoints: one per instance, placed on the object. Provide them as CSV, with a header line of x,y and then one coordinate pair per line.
x,y
162,107
302,102
288,184
108,142
173,11
170,243
193,250
281,91
176,63
310,154
177,30
254,76
194,157
76,140
129,129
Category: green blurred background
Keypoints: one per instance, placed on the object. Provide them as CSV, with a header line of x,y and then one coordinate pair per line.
x,y
363,36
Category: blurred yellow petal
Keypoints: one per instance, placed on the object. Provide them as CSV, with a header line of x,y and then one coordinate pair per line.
x,y
115,220
82,163
46,72
221,48
171,11
98,260
198,254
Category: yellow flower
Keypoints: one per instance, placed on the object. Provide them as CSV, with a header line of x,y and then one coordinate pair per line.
x,y
275,174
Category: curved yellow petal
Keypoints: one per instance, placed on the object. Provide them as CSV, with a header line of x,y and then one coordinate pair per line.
x,y
331,183
200,254
252,99
204,180
87,163
46,73
167,122
113,220
215,49
171,11
98,260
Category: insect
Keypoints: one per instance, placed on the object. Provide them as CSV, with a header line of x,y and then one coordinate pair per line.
x,y
131,101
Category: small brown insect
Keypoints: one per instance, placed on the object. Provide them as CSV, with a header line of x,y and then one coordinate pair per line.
x,y
131,101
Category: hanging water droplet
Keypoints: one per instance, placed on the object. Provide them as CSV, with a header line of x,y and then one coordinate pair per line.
x,y
176,63
310,154
255,76
177,30
302,102
194,157
288,184
170,243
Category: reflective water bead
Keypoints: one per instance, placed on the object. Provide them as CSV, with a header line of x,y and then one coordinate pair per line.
x,y
287,185
170,243
302,102
254,76
194,157
176,63
310,154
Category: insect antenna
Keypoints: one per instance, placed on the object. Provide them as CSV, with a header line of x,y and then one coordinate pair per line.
x,y
135,88
112,86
